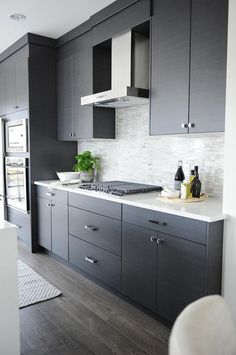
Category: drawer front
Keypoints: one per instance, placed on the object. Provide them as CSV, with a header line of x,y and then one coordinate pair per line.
x,y
22,221
102,265
182,227
102,231
97,205
54,195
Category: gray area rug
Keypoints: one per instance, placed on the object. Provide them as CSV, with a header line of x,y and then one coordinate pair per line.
x,y
33,288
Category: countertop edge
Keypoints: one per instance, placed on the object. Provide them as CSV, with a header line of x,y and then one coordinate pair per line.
x,y
218,217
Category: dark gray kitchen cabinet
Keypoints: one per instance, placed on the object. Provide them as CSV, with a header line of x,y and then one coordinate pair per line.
x,y
139,265
52,218
44,217
208,65
189,49
16,84
170,43
181,275
74,80
105,26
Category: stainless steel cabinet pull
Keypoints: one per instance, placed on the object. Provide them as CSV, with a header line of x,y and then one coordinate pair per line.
x,y
159,241
19,227
91,228
153,239
191,125
49,194
184,125
90,260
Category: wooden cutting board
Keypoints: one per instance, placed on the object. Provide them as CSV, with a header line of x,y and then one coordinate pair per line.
x,y
188,200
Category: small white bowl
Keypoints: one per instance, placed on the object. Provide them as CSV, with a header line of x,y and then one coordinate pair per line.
x,y
68,175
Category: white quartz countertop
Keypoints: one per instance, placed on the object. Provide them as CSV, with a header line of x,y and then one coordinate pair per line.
x,y
209,210
6,225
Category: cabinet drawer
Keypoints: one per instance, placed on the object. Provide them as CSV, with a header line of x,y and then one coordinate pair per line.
x,y
97,262
102,231
22,221
185,228
54,195
97,205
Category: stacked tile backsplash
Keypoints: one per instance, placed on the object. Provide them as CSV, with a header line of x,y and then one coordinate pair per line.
x,y
136,156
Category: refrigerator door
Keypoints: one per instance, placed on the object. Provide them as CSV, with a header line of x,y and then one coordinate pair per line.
x,y
2,192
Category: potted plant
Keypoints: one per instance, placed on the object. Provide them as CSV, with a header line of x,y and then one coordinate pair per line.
x,y
86,165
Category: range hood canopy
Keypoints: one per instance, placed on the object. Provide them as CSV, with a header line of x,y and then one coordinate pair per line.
x,y
129,73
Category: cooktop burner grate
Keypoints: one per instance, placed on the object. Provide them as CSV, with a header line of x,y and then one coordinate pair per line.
x,y
119,188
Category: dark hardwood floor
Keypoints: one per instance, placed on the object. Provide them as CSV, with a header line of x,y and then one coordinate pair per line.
x,y
86,319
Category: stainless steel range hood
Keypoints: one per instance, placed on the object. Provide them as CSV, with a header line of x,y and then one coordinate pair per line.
x,y
129,73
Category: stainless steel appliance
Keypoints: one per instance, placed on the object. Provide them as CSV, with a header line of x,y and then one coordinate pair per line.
x,y
16,183
130,73
16,136
120,188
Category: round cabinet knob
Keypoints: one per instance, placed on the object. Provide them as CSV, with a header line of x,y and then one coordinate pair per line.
x,y
159,240
191,125
153,239
184,125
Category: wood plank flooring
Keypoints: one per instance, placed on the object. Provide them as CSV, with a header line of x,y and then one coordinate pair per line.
x,y
86,319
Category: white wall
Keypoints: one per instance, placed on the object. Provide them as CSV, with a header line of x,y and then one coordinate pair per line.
x,y
136,156
229,271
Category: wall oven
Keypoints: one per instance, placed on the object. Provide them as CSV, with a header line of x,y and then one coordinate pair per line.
x,y
16,182
16,136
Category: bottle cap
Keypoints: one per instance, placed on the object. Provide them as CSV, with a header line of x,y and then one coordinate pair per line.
x,y
196,169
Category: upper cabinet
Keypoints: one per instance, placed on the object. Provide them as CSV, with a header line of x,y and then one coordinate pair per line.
x,y
189,49
208,65
74,80
14,95
106,25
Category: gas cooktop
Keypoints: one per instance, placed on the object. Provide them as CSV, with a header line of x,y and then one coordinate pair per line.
x,y
119,188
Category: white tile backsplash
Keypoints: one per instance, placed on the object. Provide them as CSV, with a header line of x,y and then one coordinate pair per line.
x,y
136,156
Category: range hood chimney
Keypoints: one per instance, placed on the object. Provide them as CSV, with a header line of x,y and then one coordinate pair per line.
x,y
129,73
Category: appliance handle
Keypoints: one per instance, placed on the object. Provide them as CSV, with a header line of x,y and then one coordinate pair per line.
x,y
16,166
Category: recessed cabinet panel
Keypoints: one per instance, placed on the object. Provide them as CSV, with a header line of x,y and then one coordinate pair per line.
x,y
2,90
208,65
65,99
22,84
170,34
60,229
139,265
181,275
44,223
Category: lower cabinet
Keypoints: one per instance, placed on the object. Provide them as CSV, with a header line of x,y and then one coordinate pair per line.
x,y
22,221
99,263
53,226
162,272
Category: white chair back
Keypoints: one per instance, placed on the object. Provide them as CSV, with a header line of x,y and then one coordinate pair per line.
x,y
205,327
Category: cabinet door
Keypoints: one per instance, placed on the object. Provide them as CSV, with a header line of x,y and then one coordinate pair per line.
x,y
208,65
2,90
21,83
82,74
139,265
44,223
10,85
181,275
60,229
170,41
65,99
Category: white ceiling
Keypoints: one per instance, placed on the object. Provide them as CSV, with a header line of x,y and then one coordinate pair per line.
x,y
50,18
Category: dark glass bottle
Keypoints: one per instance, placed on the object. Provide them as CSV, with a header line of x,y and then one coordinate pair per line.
x,y
179,176
196,184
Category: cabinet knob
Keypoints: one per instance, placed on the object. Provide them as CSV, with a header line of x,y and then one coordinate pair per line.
x,y
191,125
184,125
159,240
49,194
71,134
52,204
49,204
153,239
